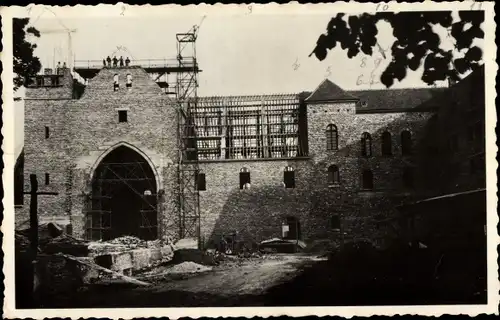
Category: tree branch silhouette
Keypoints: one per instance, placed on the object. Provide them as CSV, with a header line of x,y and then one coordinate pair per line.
x,y
416,43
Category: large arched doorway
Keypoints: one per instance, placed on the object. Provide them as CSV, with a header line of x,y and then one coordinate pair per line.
x,y
123,200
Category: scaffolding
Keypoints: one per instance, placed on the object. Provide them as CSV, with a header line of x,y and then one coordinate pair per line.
x,y
187,102
250,127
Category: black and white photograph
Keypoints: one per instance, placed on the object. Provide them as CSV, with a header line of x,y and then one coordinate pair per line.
x,y
162,159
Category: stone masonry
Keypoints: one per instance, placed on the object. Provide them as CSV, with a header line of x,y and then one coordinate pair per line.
x,y
83,131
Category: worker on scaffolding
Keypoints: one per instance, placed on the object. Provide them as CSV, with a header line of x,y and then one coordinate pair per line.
x,y
121,61
58,67
115,62
108,59
127,62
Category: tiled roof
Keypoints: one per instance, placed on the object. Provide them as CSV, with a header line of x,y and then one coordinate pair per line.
x,y
393,99
329,91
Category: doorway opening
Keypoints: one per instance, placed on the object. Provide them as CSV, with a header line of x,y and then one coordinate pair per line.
x,y
124,198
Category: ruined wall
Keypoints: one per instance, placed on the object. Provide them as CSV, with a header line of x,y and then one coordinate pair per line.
x,y
259,211
47,107
150,130
83,131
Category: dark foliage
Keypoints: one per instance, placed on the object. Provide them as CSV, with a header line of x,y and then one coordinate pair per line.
x,y
25,63
416,43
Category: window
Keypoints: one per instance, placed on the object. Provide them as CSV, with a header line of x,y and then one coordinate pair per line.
x,y
386,143
408,178
47,132
367,180
47,179
201,183
366,145
333,175
332,139
116,82
129,80
244,178
122,115
406,143
293,231
335,222
289,177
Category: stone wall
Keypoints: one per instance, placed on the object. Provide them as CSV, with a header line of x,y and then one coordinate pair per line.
x,y
257,213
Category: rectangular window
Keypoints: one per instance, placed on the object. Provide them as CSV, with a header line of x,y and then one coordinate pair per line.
x,y
244,179
289,179
47,179
122,116
201,182
47,132
335,221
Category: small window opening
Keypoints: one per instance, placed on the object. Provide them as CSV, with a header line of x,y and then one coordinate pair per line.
x,y
366,145
289,177
406,143
367,180
386,144
333,175
116,82
244,178
129,81
122,116
335,222
201,182
47,179
47,132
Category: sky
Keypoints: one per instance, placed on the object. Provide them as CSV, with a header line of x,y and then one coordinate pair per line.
x,y
239,54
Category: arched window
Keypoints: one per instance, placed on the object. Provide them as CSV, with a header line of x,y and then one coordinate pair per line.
x,y
116,82
244,178
332,138
366,145
333,175
367,180
289,177
386,143
129,80
201,182
406,143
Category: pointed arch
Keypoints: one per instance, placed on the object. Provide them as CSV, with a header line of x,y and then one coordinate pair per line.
x,y
136,149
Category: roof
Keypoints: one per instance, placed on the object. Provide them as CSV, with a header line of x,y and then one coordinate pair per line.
x,y
329,91
393,99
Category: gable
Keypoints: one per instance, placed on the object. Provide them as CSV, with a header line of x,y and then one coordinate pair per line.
x,y
329,91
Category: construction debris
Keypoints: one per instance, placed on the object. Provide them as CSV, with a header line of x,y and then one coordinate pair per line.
x,y
91,265
188,267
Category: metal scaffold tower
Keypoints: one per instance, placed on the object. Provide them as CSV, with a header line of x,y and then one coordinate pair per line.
x,y
187,100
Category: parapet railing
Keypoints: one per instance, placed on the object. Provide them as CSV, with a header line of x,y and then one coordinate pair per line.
x,y
144,63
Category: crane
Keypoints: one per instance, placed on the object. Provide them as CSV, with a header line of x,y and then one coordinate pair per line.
x,y
70,47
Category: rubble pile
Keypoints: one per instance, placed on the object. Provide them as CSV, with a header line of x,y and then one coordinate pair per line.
x,y
188,267
125,243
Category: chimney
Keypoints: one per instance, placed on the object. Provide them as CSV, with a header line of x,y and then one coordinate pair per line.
x,y
47,71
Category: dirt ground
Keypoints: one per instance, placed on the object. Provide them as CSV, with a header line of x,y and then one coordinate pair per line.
x,y
233,283
253,276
